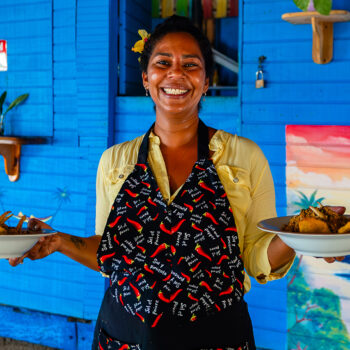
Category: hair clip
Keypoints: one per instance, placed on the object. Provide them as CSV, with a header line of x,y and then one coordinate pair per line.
x,y
140,44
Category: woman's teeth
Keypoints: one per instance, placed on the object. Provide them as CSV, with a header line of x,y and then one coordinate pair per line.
x,y
174,91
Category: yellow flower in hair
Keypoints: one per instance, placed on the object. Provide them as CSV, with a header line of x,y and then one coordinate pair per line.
x,y
140,44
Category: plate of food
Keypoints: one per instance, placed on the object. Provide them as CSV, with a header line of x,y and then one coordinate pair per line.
x,y
317,231
15,241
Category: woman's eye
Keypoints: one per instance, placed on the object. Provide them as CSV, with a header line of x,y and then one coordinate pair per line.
x,y
163,63
190,65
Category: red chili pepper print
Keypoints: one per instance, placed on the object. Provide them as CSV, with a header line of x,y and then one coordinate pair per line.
x,y
194,268
173,250
223,257
128,205
153,285
164,229
205,285
174,295
234,229
188,278
122,281
115,221
205,186
193,318
143,166
240,283
213,205
180,259
175,228
192,297
100,346
223,243
141,210
140,275
124,347
145,266
146,184
200,251
160,248
127,260
208,272
218,308
183,192
156,217
140,316
162,297
135,224
121,299
196,227
225,275
149,200
199,168
103,258
143,250
196,200
190,208
136,291
131,194
167,278
156,320
224,195
229,290
115,239
211,217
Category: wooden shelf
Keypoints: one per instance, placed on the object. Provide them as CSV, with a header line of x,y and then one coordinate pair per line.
x,y
10,149
322,30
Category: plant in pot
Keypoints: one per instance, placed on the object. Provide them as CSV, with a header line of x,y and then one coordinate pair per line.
x,y
13,104
324,7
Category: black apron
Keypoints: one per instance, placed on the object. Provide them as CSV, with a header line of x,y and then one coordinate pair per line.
x,y
176,273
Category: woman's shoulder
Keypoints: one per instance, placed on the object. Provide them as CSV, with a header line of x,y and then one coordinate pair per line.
x,y
121,154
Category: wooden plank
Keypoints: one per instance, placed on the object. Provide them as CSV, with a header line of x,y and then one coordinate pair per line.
x,y
28,29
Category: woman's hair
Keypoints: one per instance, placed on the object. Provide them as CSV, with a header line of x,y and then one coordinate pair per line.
x,y
179,24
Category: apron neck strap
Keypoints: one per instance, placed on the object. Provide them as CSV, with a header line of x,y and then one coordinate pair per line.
x,y
203,143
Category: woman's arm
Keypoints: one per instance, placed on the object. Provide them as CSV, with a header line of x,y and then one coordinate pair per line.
x,y
279,253
80,249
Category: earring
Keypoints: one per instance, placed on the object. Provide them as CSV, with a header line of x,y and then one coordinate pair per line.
x,y
204,95
146,91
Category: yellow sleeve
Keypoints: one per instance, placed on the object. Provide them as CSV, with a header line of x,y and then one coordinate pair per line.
x,y
102,197
256,242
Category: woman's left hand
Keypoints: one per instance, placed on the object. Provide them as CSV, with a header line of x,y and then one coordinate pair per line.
x,y
332,260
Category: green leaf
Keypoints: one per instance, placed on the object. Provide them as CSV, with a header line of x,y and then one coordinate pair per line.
x,y
2,100
302,4
324,7
17,101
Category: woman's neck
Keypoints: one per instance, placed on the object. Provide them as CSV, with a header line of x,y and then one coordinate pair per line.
x,y
176,133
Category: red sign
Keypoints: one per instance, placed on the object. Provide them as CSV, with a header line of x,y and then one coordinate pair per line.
x,y
3,55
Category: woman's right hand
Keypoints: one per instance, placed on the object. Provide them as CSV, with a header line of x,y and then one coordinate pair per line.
x,y
44,247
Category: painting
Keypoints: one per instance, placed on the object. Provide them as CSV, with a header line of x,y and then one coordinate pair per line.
x,y
318,298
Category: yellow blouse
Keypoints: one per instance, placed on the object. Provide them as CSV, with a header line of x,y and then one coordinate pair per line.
x,y
244,173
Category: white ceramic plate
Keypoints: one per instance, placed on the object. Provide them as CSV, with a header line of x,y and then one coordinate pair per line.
x,y
13,246
312,244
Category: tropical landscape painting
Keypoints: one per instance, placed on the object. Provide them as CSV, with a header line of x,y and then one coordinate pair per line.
x,y
318,173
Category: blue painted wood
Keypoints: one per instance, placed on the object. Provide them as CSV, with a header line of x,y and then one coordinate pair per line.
x,y
133,15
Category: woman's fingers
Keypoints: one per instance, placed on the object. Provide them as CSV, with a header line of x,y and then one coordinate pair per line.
x,y
333,259
36,225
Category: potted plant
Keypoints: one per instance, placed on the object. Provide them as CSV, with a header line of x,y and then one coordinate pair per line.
x,y
324,7
13,104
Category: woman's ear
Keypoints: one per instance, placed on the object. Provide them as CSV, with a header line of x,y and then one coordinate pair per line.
x,y
145,80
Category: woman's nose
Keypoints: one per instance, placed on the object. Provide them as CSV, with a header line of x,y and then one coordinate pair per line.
x,y
176,70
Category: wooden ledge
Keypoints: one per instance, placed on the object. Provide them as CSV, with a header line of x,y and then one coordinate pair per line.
x,y
322,30
10,149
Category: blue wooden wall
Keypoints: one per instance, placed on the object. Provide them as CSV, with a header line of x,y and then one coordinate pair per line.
x,y
58,52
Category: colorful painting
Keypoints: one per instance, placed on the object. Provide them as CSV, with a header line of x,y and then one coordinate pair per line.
x,y
318,171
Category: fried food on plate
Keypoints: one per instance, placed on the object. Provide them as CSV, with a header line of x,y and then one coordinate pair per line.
x,y
7,230
319,220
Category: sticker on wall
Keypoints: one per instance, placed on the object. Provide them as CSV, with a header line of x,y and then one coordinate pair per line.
x,y
318,158
3,55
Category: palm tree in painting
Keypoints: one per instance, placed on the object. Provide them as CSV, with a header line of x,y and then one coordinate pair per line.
x,y
62,195
305,201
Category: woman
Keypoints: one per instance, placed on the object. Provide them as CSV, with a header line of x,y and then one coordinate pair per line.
x,y
176,216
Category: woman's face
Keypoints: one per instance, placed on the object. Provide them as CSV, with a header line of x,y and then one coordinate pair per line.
x,y
175,75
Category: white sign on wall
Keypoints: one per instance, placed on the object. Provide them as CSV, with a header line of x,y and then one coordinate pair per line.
x,y
3,55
